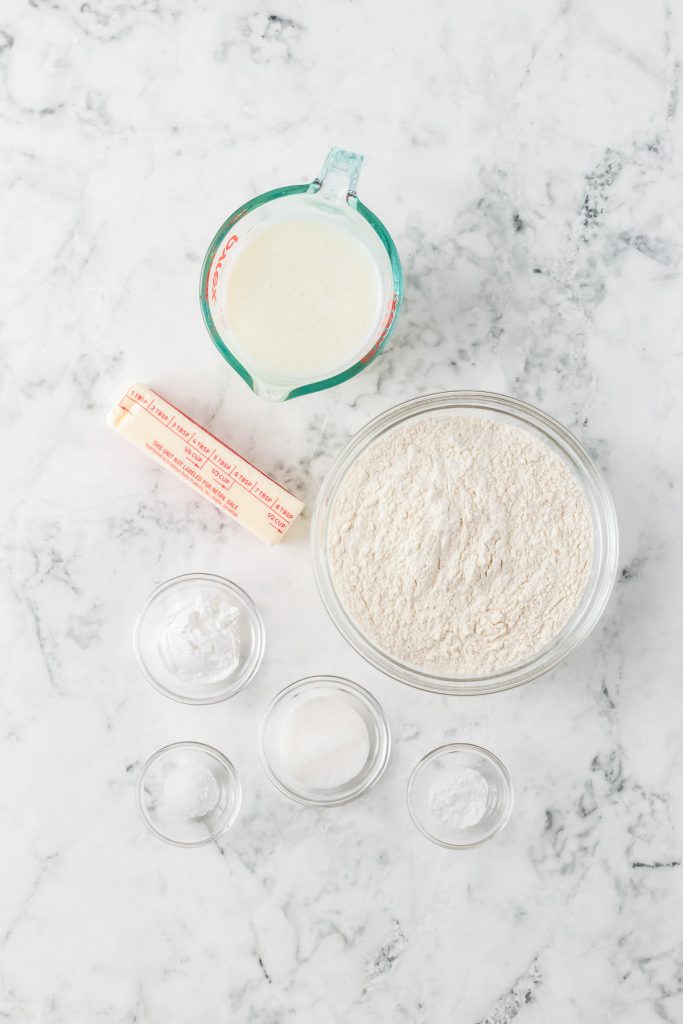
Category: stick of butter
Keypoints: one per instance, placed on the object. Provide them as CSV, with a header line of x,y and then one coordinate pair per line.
x,y
210,467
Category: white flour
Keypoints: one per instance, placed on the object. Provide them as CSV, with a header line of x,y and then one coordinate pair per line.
x,y
460,544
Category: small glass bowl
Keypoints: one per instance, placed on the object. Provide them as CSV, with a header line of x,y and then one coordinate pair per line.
x,y
434,766
188,794
149,630
362,702
512,412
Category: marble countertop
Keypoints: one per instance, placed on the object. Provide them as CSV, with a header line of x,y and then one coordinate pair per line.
x,y
527,159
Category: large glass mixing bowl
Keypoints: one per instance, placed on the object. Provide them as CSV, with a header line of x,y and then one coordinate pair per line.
x,y
605,538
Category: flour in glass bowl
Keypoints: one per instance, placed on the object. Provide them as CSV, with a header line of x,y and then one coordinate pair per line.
x,y
460,544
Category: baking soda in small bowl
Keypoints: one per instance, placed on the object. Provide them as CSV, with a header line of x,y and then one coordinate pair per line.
x,y
460,796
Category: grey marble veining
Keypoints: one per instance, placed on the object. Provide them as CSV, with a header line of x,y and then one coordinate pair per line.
x,y
527,159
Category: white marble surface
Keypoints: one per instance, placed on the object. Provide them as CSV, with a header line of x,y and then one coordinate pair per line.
x,y
527,158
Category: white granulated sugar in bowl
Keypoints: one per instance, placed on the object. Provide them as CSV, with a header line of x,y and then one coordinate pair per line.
x,y
324,742
459,544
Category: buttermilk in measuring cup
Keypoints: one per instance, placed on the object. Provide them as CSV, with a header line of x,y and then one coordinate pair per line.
x,y
301,286
303,297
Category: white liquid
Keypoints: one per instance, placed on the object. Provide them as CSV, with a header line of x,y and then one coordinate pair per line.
x,y
302,298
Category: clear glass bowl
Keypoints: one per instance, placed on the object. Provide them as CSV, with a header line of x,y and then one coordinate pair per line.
x,y
188,794
324,686
605,538
199,682
433,770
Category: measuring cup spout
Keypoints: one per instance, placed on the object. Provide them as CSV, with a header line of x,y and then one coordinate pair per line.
x,y
338,178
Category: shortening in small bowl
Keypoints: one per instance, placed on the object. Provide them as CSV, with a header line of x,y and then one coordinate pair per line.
x,y
464,542
199,638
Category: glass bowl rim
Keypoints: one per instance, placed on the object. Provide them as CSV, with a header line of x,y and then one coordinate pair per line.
x,y
451,748
381,722
562,442
218,756
254,617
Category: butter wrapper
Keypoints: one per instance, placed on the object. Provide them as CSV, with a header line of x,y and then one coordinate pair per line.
x,y
205,463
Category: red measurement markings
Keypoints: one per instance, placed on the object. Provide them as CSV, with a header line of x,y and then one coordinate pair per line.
x,y
221,463
216,270
369,356
198,482
138,397
262,495
221,478
203,449
223,472
223,445
278,524
177,428
158,413
215,490
283,510
243,480
195,457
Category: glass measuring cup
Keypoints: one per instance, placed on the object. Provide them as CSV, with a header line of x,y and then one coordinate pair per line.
x,y
333,195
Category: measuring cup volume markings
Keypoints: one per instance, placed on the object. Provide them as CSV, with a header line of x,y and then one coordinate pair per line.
x,y
301,286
